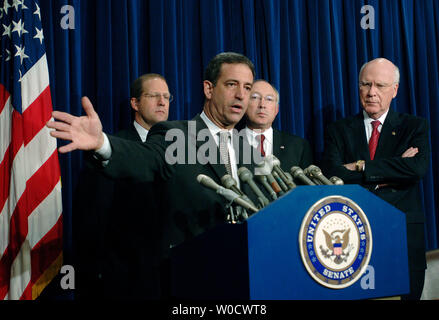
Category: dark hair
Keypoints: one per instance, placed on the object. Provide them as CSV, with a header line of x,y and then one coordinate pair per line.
x,y
136,88
212,72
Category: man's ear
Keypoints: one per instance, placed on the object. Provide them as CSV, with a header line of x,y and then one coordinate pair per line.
x,y
208,88
134,104
395,90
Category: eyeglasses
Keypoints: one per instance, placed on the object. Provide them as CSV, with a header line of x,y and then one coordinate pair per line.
x,y
380,86
257,97
157,96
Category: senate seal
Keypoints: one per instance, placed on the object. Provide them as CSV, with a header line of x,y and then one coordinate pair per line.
x,y
335,242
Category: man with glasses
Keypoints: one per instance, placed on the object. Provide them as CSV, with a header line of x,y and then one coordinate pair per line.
x,y
386,152
114,240
262,109
150,100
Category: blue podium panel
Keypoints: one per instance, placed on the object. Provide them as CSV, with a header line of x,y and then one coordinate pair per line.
x,y
276,270
260,259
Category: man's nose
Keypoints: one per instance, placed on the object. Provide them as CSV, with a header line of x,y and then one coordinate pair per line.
x,y
161,100
372,90
240,92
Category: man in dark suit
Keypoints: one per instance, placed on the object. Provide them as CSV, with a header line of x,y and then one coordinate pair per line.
x,y
386,152
291,150
186,208
115,257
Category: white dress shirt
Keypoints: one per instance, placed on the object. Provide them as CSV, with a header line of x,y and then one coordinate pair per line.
x,y
143,133
253,140
368,124
214,131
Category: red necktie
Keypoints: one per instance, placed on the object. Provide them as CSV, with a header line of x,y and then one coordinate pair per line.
x,y
261,139
373,142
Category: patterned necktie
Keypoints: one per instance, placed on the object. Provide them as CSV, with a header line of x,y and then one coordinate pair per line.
x,y
224,150
373,142
261,139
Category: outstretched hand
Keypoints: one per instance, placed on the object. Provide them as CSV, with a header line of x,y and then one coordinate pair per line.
x,y
85,133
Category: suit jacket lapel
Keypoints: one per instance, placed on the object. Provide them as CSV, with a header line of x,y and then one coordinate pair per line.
x,y
388,136
278,147
133,132
357,134
217,167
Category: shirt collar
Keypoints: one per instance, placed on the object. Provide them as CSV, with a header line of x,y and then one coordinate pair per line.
x,y
252,134
143,133
213,128
368,120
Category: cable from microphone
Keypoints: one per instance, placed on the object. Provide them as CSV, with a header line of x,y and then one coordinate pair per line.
x,y
298,173
229,182
275,164
317,174
336,180
226,193
246,176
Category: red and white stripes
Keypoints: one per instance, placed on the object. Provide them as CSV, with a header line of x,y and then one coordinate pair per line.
x,y
30,190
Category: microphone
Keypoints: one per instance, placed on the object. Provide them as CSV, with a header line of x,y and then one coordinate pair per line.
x,y
336,180
264,181
317,174
226,193
264,168
289,176
276,168
229,182
280,181
298,173
246,176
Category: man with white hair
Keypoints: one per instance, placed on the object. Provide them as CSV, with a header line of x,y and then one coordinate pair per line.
x,y
387,153
263,108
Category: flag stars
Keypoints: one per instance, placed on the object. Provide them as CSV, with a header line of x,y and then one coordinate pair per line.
x,y
6,6
19,28
37,11
17,3
39,35
20,53
7,31
8,57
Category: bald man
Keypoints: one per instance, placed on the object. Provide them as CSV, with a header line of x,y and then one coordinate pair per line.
x,y
387,153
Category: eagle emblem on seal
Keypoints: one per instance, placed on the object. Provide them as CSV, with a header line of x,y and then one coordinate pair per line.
x,y
336,243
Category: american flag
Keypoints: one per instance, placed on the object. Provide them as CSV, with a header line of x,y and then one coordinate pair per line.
x,y
30,186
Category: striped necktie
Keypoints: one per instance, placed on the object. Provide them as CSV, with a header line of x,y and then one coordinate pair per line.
x,y
224,150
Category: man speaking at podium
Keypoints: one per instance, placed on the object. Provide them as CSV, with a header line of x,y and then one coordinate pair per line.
x,y
386,152
186,208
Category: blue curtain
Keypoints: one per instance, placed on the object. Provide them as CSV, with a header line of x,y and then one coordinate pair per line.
x,y
311,50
